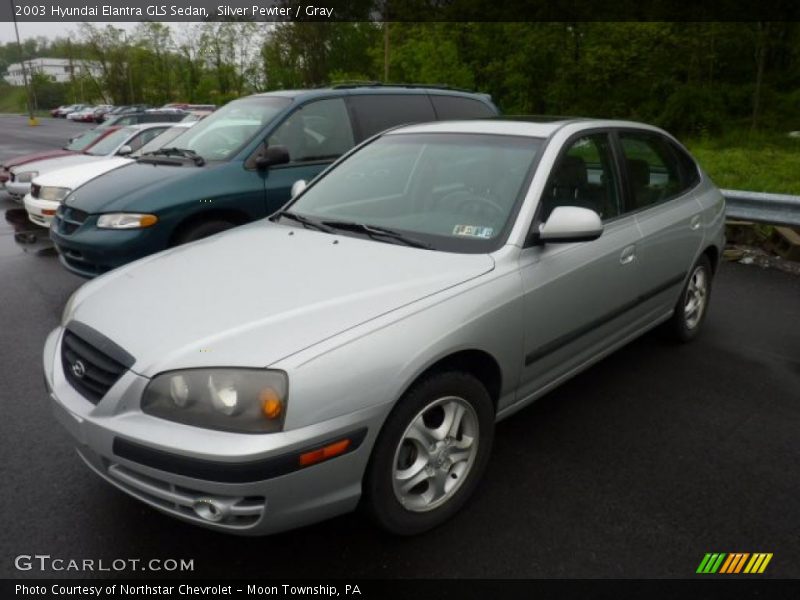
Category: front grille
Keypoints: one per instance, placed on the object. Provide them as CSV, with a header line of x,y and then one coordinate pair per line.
x,y
68,219
87,369
35,189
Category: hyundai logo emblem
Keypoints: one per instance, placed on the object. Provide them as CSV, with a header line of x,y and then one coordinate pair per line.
x,y
78,369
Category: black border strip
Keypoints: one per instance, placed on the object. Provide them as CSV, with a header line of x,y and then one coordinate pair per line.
x,y
227,472
565,339
101,343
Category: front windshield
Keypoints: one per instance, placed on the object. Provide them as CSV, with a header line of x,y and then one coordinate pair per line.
x,y
455,192
84,141
220,135
160,140
110,143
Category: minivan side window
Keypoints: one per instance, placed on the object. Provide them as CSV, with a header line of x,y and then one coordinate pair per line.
x,y
654,174
318,130
584,176
456,107
376,112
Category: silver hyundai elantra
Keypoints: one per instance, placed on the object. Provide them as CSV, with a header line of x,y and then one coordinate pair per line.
x,y
359,345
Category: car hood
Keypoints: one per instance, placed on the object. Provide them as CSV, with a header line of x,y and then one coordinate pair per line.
x,y
27,158
259,293
76,175
58,162
137,184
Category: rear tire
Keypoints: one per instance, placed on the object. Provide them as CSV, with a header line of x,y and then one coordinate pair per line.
x,y
692,306
201,230
430,454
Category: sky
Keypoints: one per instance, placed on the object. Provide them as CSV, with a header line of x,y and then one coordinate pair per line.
x,y
49,30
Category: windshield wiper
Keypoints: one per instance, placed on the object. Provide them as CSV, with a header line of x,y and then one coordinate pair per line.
x,y
190,154
376,231
305,221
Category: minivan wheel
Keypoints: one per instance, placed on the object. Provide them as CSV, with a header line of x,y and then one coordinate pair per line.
x,y
431,453
202,229
690,311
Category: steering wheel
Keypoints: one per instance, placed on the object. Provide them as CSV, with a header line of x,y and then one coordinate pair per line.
x,y
466,202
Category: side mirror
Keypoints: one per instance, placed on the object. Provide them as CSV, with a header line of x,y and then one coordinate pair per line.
x,y
274,155
298,187
124,150
568,224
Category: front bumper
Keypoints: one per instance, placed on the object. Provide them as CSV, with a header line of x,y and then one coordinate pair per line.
x,y
89,251
249,504
40,212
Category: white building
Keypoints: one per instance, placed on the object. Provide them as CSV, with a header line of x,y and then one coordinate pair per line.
x,y
57,69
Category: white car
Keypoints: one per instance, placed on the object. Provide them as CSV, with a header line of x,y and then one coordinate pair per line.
x,y
50,189
122,142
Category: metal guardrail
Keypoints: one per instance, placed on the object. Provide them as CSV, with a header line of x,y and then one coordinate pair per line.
x,y
760,207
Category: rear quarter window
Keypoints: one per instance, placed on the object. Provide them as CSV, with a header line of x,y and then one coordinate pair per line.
x,y
456,107
376,113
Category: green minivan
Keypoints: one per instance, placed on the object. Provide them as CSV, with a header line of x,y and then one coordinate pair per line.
x,y
235,166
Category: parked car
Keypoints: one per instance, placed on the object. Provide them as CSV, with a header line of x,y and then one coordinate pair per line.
x,y
360,345
125,108
100,112
50,189
78,144
56,112
145,116
63,111
220,173
85,115
120,142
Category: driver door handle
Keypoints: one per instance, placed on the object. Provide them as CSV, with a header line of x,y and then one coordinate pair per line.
x,y
628,255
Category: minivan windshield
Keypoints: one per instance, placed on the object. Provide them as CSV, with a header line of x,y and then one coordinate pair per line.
x,y
221,134
456,192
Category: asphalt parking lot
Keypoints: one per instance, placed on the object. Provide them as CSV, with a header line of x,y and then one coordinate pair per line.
x,y
636,468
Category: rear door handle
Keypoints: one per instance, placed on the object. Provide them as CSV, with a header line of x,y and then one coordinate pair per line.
x,y
694,224
628,255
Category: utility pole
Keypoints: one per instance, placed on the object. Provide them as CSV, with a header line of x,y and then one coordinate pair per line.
x,y
32,121
129,54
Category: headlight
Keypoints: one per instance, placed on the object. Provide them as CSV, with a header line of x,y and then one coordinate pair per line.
x,y
26,176
126,221
54,194
227,399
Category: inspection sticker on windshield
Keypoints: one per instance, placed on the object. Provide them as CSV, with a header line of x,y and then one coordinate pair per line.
x,y
473,231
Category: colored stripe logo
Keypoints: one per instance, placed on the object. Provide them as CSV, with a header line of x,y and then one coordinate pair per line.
x,y
734,563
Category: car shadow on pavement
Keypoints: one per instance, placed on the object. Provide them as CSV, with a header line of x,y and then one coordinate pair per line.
x,y
31,238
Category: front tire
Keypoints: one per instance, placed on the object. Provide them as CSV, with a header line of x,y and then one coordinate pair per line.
x,y
202,230
431,453
692,306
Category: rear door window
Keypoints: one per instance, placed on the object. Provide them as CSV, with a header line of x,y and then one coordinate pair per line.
x,y
653,169
378,112
317,131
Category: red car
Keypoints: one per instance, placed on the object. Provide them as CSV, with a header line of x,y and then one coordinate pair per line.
x,y
79,144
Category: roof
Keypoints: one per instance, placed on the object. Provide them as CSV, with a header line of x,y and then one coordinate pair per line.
x,y
355,89
501,127
525,126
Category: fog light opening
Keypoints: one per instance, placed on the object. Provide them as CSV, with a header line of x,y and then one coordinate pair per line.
x,y
210,509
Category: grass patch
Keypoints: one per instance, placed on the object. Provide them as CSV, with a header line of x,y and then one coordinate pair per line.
x,y
12,99
758,162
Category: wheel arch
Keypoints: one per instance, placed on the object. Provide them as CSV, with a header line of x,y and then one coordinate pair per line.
x,y
234,216
479,363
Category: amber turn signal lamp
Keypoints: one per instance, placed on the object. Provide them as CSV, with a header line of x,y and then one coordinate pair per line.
x,y
329,451
271,406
